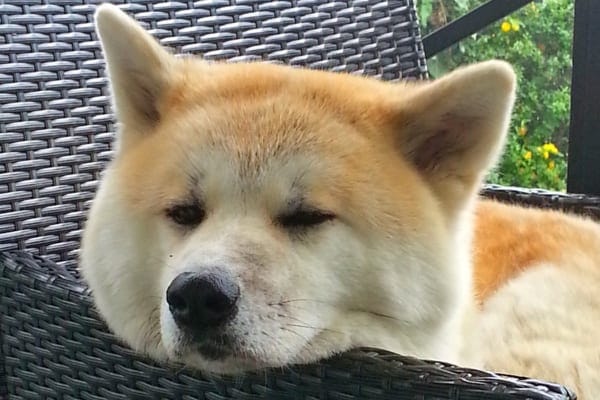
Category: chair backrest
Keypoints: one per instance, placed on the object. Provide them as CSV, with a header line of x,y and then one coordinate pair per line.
x,y
56,125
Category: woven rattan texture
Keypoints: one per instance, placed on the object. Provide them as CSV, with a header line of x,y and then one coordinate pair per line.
x,y
55,120
571,203
54,347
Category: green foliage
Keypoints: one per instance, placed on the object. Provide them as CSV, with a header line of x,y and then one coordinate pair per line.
x,y
536,40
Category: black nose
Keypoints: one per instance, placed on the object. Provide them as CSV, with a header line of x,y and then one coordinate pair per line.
x,y
202,301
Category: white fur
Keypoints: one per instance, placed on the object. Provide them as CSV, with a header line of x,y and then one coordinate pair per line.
x,y
347,283
544,323
399,278
327,280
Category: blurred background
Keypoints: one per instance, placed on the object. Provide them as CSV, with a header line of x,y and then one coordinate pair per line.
x,y
537,41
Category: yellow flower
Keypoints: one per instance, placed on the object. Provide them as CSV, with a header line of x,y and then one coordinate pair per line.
x,y
522,131
551,165
527,155
546,155
505,27
550,148
515,27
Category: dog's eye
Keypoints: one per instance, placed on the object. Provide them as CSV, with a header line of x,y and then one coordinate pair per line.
x,y
300,219
187,215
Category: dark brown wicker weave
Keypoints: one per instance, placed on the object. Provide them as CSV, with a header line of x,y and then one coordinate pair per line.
x,y
55,137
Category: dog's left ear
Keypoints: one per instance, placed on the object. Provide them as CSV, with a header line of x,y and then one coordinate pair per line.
x,y
138,70
453,129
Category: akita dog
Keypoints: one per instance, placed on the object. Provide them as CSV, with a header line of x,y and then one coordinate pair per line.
x,y
258,215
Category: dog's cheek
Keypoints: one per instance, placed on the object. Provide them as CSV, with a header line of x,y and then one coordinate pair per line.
x,y
119,260
327,270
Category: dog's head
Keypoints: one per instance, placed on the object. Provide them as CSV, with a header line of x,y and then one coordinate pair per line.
x,y
258,215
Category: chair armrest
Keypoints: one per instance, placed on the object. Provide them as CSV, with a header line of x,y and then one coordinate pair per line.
x,y
54,345
581,204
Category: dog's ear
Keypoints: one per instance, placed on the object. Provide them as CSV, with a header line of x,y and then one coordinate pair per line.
x,y
138,70
453,129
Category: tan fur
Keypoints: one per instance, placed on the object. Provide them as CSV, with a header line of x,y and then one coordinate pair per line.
x,y
510,239
399,165
537,277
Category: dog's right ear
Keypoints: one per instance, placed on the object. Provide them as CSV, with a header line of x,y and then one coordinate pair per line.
x,y
138,70
453,129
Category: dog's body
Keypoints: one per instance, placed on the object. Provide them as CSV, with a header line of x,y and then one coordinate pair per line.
x,y
326,211
537,279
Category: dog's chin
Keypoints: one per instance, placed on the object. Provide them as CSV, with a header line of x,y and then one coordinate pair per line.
x,y
218,358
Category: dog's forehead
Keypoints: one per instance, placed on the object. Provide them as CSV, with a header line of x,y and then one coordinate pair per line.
x,y
256,134
262,132
265,144
278,108
240,152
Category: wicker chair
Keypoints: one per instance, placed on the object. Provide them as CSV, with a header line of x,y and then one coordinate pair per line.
x,y
55,135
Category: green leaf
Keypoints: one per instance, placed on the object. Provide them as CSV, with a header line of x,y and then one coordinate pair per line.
x,y
462,5
424,9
